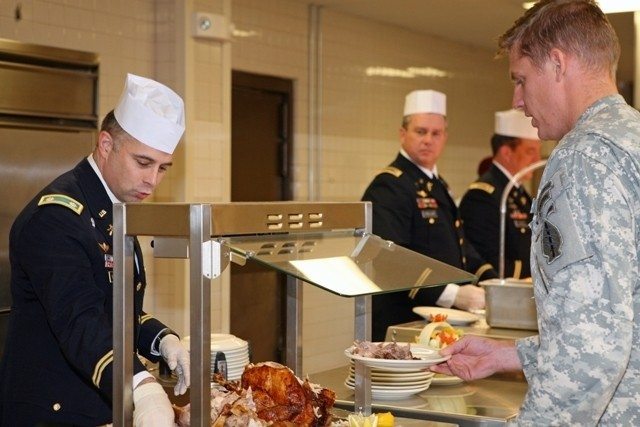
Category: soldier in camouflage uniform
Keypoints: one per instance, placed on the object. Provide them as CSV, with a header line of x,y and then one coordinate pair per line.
x,y
584,367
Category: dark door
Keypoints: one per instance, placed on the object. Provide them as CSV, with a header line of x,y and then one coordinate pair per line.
x,y
260,153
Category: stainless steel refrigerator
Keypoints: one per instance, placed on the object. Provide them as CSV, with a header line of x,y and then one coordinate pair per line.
x,y
48,120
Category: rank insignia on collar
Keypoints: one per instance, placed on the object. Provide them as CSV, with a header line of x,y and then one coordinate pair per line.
x,y
104,247
102,213
110,229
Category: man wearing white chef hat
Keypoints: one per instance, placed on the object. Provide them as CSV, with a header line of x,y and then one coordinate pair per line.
x,y
57,367
412,207
515,145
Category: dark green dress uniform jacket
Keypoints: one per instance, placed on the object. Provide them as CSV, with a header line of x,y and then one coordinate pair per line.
x,y
480,212
417,212
58,359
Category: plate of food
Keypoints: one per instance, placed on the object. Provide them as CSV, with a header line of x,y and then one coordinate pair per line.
x,y
393,356
452,316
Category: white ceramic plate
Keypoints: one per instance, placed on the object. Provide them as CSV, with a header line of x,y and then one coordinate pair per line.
x,y
222,342
397,377
454,317
441,379
427,357
393,385
394,394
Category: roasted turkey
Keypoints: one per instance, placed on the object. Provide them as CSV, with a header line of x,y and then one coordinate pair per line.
x,y
268,394
280,396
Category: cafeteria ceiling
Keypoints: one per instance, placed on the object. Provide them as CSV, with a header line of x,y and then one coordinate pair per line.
x,y
472,22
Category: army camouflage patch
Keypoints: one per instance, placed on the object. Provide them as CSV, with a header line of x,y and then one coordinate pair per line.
x,y
62,200
551,242
551,237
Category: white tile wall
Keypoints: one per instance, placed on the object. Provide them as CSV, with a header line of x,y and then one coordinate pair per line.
x,y
360,114
150,38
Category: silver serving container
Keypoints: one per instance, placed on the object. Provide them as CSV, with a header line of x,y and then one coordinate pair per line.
x,y
510,304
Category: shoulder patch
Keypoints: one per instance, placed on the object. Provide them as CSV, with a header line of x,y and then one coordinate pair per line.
x,y
391,170
61,199
482,186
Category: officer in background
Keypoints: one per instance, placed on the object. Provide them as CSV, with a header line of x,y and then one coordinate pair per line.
x,y
413,208
57,367
515,145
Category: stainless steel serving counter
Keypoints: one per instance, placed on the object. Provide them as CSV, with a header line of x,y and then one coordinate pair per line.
x,y
491,401
407,332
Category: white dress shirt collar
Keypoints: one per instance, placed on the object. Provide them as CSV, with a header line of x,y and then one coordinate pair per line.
x,y
94,166
431,173
506,173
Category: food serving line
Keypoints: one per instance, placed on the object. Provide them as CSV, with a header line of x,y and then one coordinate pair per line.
x,y
492,401
328,245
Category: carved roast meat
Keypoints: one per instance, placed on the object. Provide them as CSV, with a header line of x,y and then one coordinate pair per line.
x,y
268,394
280,396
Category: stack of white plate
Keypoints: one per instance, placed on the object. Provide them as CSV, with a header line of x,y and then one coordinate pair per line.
x,y
393,385
236,352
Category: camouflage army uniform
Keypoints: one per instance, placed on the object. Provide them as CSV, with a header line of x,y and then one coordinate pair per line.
x,y
584,367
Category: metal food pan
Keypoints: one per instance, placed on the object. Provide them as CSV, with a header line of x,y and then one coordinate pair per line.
x,y
510,304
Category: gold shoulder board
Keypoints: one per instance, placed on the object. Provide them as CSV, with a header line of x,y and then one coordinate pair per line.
x,y
392,170
482,186
61,199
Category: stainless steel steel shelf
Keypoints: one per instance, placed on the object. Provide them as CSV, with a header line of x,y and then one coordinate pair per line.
x,y
298,239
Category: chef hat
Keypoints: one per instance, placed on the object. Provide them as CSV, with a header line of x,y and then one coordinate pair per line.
x,y
515,124
425,101
151,113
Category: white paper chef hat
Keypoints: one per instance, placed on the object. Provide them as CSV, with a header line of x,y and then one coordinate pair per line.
x,y
151,113
515,124
425,101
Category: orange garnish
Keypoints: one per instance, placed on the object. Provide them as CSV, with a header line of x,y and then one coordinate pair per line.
x,y
438,317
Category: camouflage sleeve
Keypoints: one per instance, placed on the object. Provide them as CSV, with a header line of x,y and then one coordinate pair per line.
x,y
584,272
527,351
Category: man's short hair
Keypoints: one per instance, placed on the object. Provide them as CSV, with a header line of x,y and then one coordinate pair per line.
x,y
111,125
407,119
498,141
578,27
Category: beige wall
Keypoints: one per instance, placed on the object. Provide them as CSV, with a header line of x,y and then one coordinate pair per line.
x,y
152,38
360,117
359,121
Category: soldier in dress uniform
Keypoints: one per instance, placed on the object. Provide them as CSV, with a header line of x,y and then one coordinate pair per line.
x,y
57,368
412,207
515,145
583,368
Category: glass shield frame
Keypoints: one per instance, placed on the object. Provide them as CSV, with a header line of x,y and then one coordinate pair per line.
x,y
347,263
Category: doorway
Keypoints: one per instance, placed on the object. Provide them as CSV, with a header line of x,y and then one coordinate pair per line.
x,y
261,124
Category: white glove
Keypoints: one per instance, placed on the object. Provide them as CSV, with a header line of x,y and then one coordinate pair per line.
x,y
177,357
152,407
469,297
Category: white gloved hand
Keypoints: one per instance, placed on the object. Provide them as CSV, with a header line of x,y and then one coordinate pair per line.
x,y
177,357
469,297
151,406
